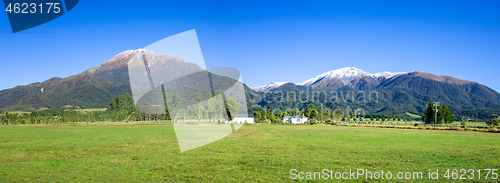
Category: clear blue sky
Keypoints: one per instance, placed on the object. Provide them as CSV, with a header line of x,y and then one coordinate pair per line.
x,y
268,40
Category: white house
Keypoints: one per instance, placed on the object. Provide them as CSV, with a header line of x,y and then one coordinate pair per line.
x,y
295,119
244,118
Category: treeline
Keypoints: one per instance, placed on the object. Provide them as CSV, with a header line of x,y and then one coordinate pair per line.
x,y
315,114
121,108
393,102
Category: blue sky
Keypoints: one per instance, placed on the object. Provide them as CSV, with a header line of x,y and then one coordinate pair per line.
x,y
268,40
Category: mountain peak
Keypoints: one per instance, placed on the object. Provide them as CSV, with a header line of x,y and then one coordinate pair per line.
x,y
121,60
346,75
121,55
269,86
113,62
115,68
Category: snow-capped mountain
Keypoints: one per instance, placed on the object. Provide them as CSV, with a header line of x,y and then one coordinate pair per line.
x,y
340,77
346,75
269,86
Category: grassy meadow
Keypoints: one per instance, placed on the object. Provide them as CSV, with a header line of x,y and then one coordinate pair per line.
x,y
111,153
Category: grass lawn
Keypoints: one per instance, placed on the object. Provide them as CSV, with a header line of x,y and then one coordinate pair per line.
x,y
469,123
109,153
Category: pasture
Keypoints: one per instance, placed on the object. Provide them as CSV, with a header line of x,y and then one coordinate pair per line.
x,y
127,152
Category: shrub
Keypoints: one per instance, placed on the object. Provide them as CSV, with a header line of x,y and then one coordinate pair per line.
x,y
462,124
267,121
493,122
329,121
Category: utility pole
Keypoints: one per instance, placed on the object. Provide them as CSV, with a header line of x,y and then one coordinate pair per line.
x,y
436,104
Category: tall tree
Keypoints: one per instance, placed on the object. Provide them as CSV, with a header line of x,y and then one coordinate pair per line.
x,y
444,114
122,105
174,101
199,106
232,107
448,115
428,116
311,111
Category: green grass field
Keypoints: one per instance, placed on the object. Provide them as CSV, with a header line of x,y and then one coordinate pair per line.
x,y
108,153
413,115
458,123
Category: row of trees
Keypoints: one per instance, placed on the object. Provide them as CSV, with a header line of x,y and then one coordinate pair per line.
x,y
123,108
55,116
328,114
212,108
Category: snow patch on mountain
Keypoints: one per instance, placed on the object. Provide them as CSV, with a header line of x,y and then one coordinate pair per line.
x,y
120,56
388,75
269,86
346,75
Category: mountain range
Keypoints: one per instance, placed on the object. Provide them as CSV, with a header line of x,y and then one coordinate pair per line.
x,y
95,87
335,79
399,93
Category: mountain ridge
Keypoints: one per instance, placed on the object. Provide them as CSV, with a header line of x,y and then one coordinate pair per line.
x,y
399,93
338,78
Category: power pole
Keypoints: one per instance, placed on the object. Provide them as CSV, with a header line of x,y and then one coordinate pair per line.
x,y
436,104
